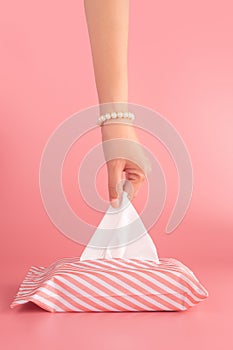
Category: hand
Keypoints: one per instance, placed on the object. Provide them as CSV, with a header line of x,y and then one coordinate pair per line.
x,y
124,154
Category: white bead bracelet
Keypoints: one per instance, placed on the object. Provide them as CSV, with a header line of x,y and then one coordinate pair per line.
x,y
114,115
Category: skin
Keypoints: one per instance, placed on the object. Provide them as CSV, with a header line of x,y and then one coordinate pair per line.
x,y
107,23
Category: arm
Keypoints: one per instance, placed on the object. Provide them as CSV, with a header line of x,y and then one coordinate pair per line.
x,y
107,22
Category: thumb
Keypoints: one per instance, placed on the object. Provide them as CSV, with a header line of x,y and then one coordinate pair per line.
x,y
115,185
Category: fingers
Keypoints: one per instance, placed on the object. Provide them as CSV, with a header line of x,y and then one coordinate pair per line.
x,y
115,186
136,165
135,177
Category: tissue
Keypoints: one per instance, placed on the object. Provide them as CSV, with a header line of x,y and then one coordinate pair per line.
x,y
121,234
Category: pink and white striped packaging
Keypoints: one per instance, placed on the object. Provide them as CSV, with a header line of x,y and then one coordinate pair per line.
x,y
118,284
117,277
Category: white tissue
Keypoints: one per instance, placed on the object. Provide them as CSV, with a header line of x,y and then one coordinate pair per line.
x,y
118,227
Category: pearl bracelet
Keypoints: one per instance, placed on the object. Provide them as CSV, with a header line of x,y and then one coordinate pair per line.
x,y
115,115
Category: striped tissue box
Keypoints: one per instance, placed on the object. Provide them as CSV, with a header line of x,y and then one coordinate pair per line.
x,y
118,284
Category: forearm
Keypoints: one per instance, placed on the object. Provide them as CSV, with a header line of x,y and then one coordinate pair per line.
x,y
107,22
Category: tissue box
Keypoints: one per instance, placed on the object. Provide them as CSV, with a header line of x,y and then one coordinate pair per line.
x,y
118,284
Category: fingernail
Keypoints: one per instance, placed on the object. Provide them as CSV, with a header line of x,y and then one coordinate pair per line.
x,y
115,203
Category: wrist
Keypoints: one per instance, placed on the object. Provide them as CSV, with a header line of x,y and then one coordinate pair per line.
x,y
115,105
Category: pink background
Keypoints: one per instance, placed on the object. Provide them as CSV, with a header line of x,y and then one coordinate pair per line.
x,y
180,56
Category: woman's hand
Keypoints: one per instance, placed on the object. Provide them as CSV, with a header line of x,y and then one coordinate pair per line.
x,y
124,156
